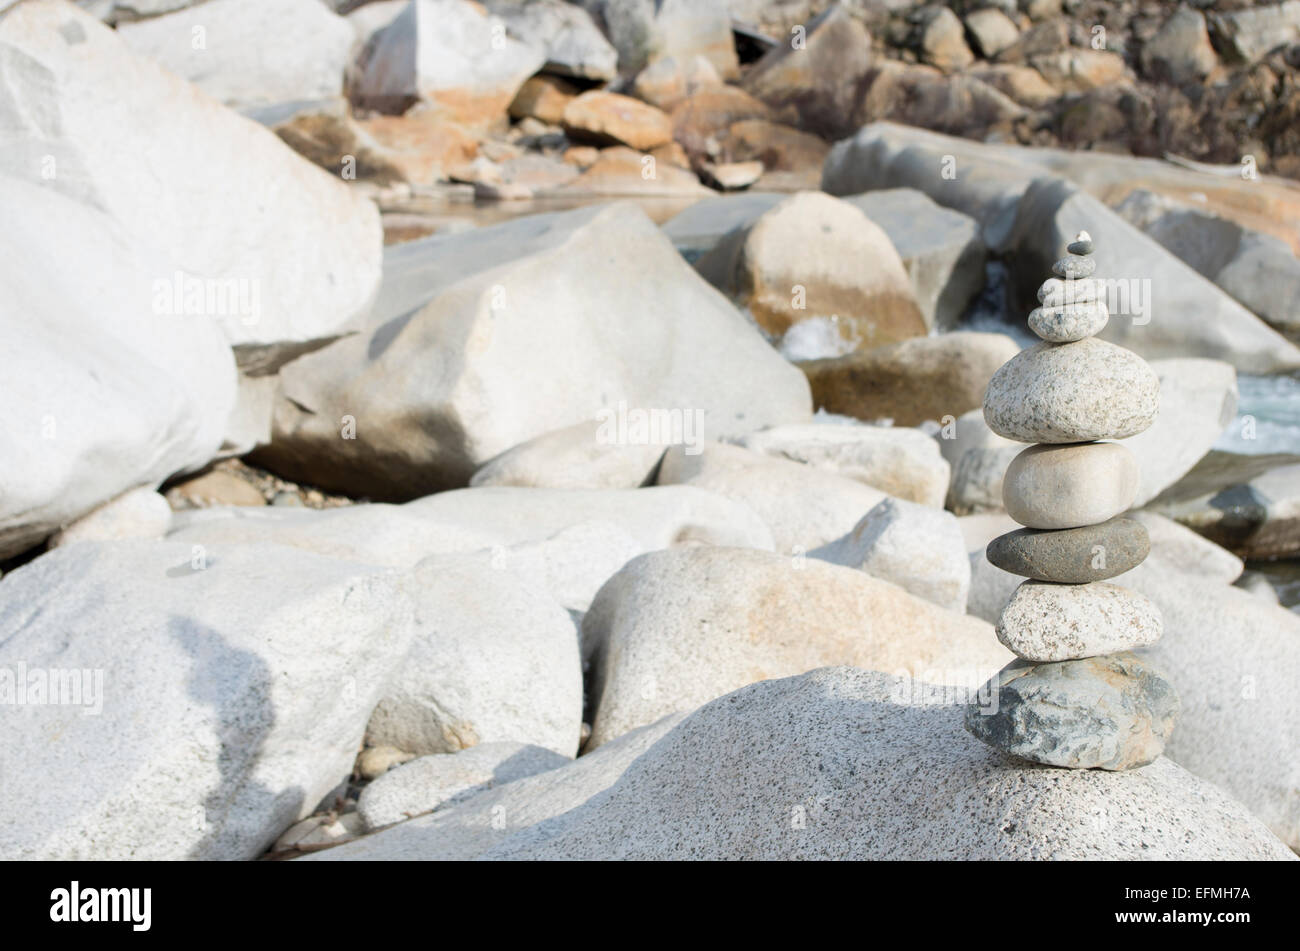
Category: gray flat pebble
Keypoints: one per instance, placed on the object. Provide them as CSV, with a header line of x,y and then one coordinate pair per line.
x,y
1072,555
1066,323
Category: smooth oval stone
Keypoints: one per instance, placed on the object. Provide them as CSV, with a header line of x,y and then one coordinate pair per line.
x,y
1074,267
1072,555
1069,322
1072,392
1045,622
1068,486
1109,712
1054,292
1080,246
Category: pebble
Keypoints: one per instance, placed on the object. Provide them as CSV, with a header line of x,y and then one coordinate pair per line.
x,y
1072,555
1046,622
1074,267
1054,292
1066,323
1111,712
1082,244
1072,392
1055,486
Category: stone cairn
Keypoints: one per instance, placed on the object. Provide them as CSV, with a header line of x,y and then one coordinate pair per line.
x,y
1075,697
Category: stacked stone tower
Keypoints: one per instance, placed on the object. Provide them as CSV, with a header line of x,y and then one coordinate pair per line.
x,y
1076,697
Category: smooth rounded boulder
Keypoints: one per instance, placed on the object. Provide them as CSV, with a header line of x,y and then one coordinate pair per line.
x,y
1066,486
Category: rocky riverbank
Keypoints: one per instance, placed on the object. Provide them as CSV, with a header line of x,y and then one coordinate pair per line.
x,y
575,430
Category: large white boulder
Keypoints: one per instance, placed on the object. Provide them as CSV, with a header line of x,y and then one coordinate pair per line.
x,y
829,765
102,393
481,341
573,44
917,547
805,506
900,461
492,659
675,629
644,31
448,55
204,703
250,53
277,251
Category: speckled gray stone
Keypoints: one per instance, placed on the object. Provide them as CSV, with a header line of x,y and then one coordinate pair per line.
x,y
1066,486
1072,555
1045,621
1109,712
857,775
1065,323
1074,267
1080,245
1054,291
1072,392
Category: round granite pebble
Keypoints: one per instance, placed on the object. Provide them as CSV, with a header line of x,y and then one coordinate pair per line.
x,y
1074,267
1047,622
1069,322
1054,292
1049,486
1110,712
1072,392
1072,555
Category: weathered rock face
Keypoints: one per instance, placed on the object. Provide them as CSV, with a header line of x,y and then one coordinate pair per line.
x,y
1259,518
585,456
573,44
447,55
804,506
817,84
813,257
941,250
926,378
717,788
1181,52
444,377
250,53
1106,712
286,259
904,463
1251,33
673,630
492,659
614,119
916,547
230,690
1187,317
1259,270
103,393
644,31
